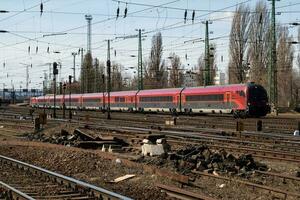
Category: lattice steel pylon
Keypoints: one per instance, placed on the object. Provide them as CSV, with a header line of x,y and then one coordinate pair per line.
x,y
272,68
207,71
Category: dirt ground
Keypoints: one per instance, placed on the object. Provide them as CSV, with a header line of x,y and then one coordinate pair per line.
x,y
92,166
99,168
85,165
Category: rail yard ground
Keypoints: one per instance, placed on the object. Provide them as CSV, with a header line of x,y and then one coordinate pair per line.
x,y
207,157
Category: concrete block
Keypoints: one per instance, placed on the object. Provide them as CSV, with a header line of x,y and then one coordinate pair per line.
x,y
153,150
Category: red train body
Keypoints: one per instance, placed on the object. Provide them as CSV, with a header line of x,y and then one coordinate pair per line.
x,y
240,99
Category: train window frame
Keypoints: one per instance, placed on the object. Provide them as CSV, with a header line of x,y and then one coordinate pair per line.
x,y
204,98
92,100
119,99
149,99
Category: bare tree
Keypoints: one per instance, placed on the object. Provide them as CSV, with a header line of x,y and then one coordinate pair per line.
x,y
201,68
87,75
259,35
156,75
238,67
176,75
116,77
285,57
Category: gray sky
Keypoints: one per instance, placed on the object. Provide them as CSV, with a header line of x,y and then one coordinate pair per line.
x,y
26,28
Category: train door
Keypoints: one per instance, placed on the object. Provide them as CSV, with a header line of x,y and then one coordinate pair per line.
x,y
227,99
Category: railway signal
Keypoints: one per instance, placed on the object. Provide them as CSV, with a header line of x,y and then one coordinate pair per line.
x,y
55,72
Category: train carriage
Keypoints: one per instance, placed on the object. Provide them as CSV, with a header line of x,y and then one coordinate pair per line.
x,y
214,99
75,102
122,101
92,101
159,100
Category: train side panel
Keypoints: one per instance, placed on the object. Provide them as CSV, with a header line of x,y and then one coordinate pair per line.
x,y
214,99
159,100
122,101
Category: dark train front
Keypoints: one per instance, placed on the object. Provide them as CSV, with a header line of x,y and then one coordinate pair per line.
x,y
257,101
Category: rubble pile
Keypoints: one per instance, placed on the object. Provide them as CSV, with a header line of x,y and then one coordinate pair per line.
x,y
78,139
201,158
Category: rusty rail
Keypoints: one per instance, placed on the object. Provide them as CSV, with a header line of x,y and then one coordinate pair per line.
x,y
182,194
254,185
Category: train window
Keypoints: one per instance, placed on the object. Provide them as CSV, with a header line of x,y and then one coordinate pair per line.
x,y
72,100
119,99
157,99
212,97
91,100
242,93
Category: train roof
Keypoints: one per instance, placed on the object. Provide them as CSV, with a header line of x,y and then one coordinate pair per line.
x,y
168,91
92,95
66,96
215,88
123,93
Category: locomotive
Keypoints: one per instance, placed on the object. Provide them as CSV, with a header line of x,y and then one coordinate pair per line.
x,y
240,100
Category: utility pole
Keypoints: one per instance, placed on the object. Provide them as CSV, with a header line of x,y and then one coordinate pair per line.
x,y
27,78
70,112
82,72
207,74
140,63
3,95
74,67
64,101
108,64
103,90
272,69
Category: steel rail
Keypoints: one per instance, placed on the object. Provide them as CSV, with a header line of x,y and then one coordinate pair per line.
x,y
13,192
101,193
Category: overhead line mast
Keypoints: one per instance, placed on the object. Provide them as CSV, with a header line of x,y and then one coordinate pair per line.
x,y
272,68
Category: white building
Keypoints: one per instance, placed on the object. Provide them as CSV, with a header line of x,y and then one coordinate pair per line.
x,y
220,79
190,79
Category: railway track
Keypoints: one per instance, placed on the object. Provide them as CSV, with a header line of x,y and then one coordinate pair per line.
x,y
262,145
185,138
20,180
269,124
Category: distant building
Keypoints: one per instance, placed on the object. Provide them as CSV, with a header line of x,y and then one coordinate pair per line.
x,y
190,79
220,79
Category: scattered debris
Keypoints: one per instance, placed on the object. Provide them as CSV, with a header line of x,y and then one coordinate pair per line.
x,y
122,178
81,139
201,158
221,186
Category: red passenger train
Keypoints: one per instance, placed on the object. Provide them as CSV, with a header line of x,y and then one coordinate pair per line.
x,y
241,100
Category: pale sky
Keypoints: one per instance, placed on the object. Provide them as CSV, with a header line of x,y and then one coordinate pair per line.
x,y
26,28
